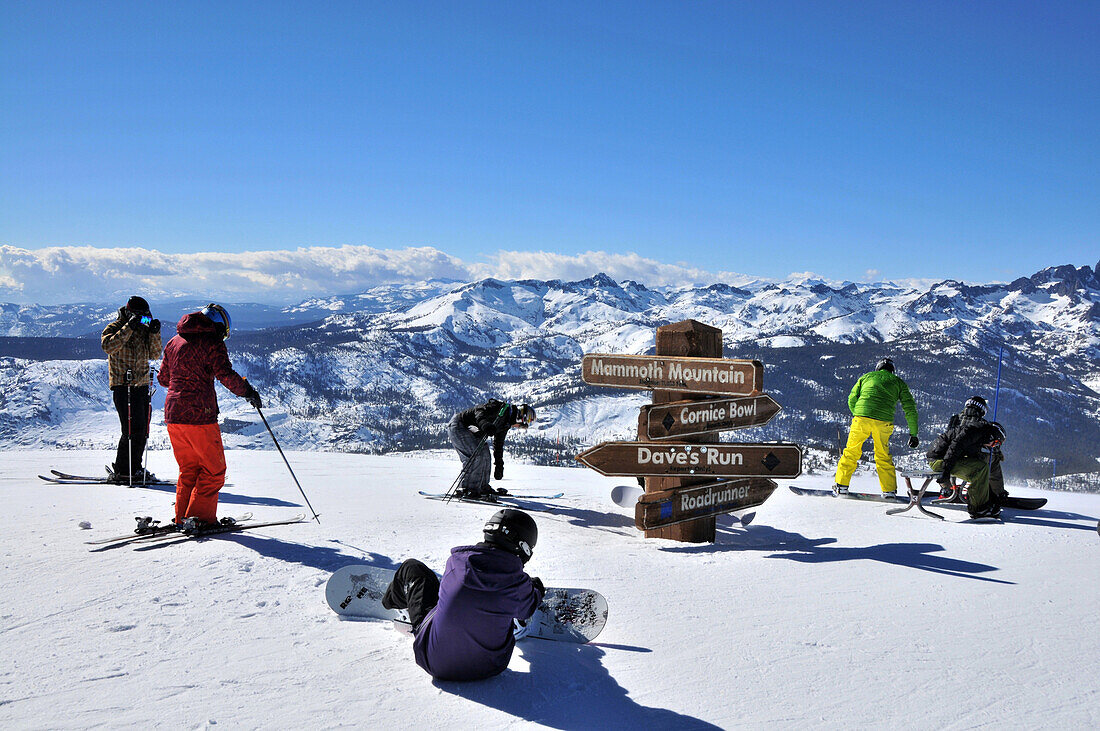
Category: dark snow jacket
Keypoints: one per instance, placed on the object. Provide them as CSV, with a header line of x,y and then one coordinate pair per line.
x,y
966,435
192,360
468,636
493,419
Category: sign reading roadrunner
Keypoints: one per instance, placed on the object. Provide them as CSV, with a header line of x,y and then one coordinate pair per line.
x,y
630,459
681,418
722,376
668,507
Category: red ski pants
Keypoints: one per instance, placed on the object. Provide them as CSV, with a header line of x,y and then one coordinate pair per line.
x,y
201,457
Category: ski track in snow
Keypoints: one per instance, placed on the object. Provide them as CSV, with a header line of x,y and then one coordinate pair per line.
x,y
822,613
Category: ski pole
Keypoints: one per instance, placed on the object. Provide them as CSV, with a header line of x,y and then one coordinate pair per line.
x,y
465,466
129,427
315,516
148,425
996,398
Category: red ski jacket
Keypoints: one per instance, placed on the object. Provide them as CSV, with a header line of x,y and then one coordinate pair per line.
x,y
192,360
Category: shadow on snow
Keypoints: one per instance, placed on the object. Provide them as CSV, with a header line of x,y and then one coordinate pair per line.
x,y
567,687
817,550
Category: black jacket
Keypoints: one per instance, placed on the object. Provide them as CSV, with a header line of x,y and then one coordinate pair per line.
x,y
492,419
965,436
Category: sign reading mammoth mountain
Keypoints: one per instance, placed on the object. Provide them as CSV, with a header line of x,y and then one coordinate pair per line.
x,y
693,375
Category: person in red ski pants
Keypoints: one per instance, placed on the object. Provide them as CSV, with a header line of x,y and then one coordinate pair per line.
x,y
192,360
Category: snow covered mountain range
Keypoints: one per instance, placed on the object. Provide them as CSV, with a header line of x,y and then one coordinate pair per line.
x,y
384,370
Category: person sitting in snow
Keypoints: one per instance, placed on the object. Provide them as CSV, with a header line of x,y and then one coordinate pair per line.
x,y
463,625
970,448
192,360
470,430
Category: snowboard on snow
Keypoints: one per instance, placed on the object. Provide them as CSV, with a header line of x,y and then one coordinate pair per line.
x,y
626,496
1010,502
565,615
851,495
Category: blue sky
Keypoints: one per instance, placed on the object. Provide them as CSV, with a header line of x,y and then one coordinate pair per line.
x,y
854,140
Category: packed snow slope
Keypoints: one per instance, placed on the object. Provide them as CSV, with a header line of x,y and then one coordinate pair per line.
x,y
822,613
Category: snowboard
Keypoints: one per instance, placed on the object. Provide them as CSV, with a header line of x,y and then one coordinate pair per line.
x,y
565,615
626,496
851,495
1010,502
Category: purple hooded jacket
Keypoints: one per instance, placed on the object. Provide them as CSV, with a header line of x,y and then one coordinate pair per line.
x,y
468,636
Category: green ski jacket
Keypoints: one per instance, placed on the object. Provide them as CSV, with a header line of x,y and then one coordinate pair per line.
x,y
876,395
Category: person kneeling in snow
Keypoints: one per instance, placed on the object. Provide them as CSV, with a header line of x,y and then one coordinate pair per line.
x,y
970,448
463,624
192,360
470,431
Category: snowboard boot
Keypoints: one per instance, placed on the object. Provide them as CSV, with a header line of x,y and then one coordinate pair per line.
x,y
839,489
892,495
989,510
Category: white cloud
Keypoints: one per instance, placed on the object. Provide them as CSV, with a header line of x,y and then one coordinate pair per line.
x,y
84,273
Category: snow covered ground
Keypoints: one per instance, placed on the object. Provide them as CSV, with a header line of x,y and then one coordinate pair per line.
x,y
821,614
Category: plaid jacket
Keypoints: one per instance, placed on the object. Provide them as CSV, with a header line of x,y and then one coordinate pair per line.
x,y
128,349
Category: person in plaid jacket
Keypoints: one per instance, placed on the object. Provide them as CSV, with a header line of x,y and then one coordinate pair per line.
x,y
131,341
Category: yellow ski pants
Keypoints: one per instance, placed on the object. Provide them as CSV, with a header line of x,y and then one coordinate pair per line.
x,y
880,431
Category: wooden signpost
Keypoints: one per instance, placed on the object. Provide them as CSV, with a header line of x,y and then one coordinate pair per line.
x,y
686,469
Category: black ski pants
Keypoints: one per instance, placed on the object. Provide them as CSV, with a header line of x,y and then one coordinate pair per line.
x,y
415,587
132,405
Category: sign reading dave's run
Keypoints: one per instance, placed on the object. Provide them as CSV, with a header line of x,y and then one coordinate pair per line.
x,y
630,459
668,507
681,418
723,376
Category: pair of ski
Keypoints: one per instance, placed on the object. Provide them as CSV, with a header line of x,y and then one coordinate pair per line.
x,y
64,478
150,531
523,502
565,615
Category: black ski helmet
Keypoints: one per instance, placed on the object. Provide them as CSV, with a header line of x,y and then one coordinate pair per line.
x,y
514,531
977,404
525,415
137,305
220,316
997,434
885,365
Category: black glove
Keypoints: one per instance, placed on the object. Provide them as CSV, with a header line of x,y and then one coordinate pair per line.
x,y
913,441
154,326
252,396
123,314
498,473
135,321
538,585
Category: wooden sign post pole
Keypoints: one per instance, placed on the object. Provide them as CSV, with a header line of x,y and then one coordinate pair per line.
x,y
683,339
